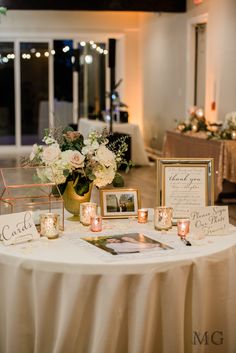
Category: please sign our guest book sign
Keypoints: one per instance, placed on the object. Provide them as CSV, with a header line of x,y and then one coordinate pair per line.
x,y
17,228
211,220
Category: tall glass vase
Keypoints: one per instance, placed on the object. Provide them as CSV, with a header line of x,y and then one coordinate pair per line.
x,y
72,200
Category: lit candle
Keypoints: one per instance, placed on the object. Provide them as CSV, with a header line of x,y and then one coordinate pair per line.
x,y
142,215
194,127
87,210
49,225
96,223
233,134
163,218
183,227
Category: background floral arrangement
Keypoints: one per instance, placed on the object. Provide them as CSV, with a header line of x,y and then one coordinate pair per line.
x,y
217,131
82,161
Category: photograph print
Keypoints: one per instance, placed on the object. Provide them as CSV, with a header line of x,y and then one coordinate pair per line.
x,y
119,203
130,243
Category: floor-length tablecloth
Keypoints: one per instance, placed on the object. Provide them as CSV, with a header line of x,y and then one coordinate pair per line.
x,y
61,296
138,153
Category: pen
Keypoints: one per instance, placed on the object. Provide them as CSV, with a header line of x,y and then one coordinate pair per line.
x,y
186,242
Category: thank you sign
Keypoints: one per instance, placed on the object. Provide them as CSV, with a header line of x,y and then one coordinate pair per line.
x,y
211,220
17,227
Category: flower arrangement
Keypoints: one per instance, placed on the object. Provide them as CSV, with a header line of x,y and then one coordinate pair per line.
x,y
83,161
216,131
196,121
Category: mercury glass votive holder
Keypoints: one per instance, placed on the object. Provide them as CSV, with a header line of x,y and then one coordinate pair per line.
x,y
142,215
163,218
96,223
87,210
49,225
183,226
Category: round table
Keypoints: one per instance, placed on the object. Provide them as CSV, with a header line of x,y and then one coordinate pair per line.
x,y
66,296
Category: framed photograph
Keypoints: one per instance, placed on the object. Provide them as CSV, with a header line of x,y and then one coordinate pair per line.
x,y
183,183
119,202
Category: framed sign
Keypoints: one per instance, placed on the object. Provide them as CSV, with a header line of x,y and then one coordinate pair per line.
x,y
119,202
183,183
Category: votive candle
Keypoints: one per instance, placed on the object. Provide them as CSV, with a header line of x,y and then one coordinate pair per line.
x,y
49,225
96,223
163,218
183,227
87,210
233,134
142,215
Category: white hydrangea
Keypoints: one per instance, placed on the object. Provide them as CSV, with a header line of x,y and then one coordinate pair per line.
x,y
104,176
90,147
105,156
48,140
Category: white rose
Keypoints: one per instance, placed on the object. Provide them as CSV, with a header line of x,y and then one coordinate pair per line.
x,y
105,156
77,159
104,176
51,154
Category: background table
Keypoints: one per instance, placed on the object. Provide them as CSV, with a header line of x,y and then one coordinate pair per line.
x,y
138,153
179,145
60,296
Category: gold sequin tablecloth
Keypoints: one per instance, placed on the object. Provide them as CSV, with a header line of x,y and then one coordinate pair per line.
x,y
189,145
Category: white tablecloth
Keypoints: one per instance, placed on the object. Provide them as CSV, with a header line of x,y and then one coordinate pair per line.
x,y
63,296
138,153
63,115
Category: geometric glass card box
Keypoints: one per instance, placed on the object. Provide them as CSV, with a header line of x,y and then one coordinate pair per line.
x,y
24,189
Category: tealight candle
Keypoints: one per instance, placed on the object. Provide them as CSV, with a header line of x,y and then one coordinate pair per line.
x,y
183,227
142,215
96,223
87,210
49,225
163,218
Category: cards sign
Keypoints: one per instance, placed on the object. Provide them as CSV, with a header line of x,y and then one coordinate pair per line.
x,y
17,227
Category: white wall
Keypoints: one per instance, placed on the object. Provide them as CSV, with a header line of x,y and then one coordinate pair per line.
x,y
163,40
166,65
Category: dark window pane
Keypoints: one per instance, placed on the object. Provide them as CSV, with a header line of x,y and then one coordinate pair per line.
x,y
34,91
92,79
7,96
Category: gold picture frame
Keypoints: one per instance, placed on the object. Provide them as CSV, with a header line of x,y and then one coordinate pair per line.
x,y
185,182
119,202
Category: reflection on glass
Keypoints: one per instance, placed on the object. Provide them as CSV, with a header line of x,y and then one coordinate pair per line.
x,y
34,91
92,80
63,82
7,96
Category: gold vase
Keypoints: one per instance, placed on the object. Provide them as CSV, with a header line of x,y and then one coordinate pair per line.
x,y
72,200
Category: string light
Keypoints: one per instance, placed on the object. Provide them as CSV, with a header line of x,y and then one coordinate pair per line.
x,y
88,58
66,49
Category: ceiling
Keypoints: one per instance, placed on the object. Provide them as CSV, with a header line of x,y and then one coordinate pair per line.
x,y
97,5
